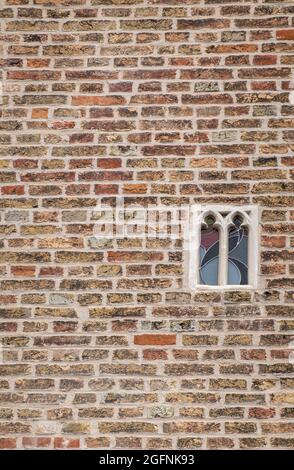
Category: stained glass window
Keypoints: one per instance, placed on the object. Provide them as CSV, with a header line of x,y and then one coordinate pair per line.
x,y
209,253
222,247
238,253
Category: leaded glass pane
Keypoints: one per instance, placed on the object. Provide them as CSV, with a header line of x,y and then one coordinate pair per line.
x,y
209,253
238,254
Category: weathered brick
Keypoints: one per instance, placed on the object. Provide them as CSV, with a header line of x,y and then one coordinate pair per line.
x,y
158,103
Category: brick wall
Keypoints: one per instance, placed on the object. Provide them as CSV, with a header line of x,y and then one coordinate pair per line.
x,y
170,102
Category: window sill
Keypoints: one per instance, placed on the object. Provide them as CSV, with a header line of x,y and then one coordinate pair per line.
x,y
223,288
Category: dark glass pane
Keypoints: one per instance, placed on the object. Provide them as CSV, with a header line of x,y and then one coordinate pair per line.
x,y
238,254
209,254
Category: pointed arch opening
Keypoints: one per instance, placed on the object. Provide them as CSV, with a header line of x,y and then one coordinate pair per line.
x,y
238,244
209,252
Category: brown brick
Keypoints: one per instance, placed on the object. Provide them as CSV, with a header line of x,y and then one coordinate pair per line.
x,y
153,339
158,103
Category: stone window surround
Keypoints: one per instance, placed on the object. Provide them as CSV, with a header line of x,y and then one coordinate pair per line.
x,y
197,214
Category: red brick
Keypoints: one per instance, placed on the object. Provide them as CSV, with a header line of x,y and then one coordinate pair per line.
x,y
7,443
109,163
23,270
66,443
285,34
16,190
154,339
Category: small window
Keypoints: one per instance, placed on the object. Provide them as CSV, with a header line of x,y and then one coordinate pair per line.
x,y
221,247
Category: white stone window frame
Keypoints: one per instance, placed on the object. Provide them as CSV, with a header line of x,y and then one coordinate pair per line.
x,y
192,239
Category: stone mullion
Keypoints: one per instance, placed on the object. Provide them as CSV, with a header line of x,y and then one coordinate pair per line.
x,y
223,256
